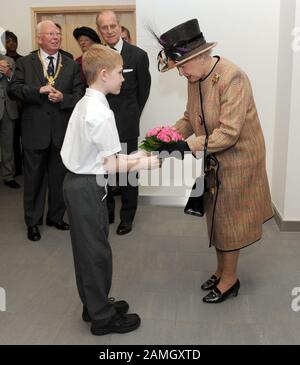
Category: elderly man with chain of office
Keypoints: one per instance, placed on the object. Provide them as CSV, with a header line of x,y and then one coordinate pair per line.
x,y
48,84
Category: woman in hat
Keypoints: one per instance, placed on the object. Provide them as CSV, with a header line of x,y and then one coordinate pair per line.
x,y
85,37
221,113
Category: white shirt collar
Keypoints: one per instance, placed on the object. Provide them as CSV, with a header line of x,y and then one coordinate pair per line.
x,y
118,46
44,56
97,95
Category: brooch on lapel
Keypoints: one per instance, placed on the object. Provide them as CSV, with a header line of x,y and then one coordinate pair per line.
x,y
215,79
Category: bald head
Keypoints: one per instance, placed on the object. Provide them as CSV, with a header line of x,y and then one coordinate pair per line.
x,y
40,28
106,13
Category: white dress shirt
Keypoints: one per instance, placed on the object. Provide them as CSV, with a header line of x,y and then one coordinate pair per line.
x,y
91,135
118,46
45,59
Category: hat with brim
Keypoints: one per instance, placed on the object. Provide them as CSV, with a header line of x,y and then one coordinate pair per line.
x,y
88,32
181,44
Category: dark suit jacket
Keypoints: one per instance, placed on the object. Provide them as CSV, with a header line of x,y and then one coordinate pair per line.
x,y
6,102
43,121
129,104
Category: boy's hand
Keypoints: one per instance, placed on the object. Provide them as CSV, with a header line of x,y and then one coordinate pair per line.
x,y
139,154
149,163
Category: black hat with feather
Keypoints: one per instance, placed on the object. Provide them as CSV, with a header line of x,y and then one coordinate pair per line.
x,y
181,44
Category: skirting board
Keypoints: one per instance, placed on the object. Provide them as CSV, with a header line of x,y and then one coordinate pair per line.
x,y
285,226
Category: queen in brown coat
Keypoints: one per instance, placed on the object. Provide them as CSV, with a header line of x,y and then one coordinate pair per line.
x,y
243,203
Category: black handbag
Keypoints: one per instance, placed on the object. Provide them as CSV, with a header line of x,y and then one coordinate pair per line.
x,y
202,193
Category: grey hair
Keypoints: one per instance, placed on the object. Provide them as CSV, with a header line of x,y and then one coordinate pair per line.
x,y
41,24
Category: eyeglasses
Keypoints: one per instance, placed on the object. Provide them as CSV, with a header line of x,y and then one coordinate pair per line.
x,y
52,34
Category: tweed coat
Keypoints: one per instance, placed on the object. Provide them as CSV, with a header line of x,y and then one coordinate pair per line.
x,y
236,138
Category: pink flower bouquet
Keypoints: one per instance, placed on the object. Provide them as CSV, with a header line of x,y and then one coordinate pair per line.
x,y
160,136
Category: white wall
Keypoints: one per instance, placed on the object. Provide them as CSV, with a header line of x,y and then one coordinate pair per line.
x,y
291,209
246,32
15,15
286,173
282,120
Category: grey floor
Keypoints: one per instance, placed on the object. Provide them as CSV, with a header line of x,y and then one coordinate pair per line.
x,y
158,269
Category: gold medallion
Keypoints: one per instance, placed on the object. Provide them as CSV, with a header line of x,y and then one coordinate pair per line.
x,y
51,80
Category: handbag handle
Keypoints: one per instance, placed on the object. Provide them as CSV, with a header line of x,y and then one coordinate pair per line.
x,y
202,118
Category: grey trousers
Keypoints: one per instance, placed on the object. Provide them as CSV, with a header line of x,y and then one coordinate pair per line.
x,y
92,253
6,145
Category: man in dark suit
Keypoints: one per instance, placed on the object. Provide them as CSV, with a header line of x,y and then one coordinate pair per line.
x,y
8,115
48,84
11,45
127,107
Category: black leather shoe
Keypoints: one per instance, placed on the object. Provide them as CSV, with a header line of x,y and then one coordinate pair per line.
x,y
121,307
33,233
210,283
124,228
12,184
117,324
61,225
215,296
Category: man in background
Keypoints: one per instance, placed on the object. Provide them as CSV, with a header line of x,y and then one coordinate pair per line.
x,y
11,46
127,107
68,54
8,115
48,84
125,34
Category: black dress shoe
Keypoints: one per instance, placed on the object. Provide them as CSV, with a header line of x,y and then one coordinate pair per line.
x,y
121,307
215,296
61,225
124,228
12,184
117,324
33,233
210,283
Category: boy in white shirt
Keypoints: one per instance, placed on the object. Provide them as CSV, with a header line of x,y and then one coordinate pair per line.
x,y
89,152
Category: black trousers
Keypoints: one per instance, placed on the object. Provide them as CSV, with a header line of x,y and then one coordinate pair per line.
x,y
18,154
128,183
43,170
89,228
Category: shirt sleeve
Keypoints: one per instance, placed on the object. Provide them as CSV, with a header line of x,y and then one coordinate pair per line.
x,y
103,133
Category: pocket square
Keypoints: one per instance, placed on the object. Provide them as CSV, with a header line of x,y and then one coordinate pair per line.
x,y
126,70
